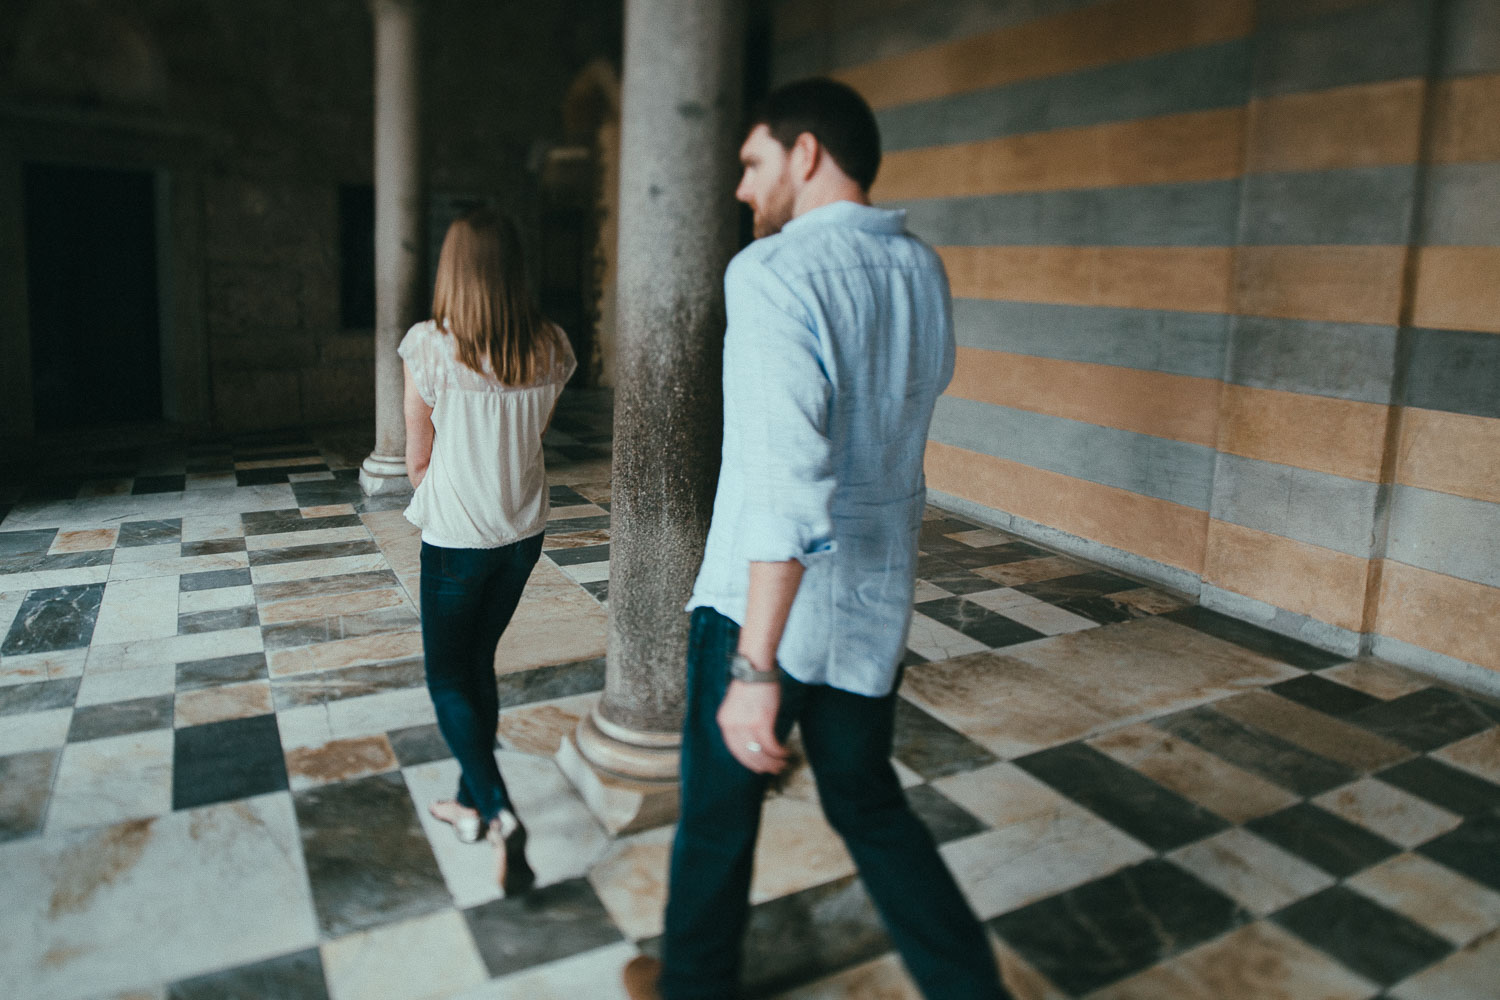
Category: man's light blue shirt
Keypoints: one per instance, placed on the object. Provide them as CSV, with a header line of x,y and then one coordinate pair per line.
x,y
839,341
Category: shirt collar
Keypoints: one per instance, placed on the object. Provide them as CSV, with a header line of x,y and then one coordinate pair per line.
x,y
847,213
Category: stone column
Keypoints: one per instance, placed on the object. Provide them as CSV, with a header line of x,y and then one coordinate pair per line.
x,y
398,229
680,124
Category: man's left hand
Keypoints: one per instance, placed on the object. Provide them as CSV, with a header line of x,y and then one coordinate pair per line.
x,y
747,718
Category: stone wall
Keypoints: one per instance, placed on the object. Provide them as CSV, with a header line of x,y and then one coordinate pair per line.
x,y
256,114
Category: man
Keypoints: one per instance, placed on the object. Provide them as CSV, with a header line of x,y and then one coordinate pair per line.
x,y
839,341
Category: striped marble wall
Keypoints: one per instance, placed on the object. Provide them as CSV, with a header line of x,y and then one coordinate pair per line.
x,y
1227,281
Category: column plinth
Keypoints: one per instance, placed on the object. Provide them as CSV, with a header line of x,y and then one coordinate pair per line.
x,y
678,227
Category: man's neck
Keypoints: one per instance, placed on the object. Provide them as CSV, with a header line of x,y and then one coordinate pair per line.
x,y
817,195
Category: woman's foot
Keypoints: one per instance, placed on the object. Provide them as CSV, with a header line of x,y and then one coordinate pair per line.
x,y
508,837
466,823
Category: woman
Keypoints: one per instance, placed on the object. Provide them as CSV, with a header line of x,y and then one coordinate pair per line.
x,y
482,379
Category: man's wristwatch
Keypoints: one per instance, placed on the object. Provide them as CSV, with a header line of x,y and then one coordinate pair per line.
x,y
741,669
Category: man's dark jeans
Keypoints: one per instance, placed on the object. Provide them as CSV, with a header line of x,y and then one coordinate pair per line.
x,y
468,597
847,738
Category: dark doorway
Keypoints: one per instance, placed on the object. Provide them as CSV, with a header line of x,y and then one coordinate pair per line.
x,y
91,279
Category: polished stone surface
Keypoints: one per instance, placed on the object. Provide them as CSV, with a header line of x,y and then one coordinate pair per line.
x,y
223,791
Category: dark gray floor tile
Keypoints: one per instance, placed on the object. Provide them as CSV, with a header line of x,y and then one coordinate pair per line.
x,y
25,789
579,556
1424,720
545,683
598,590
544,925
1104,609
298,976
325,686
54,618
368,861
1149,812
566,496
1373,941
941,815
932,748
212,547
950,577
1331,842
325,492
322,550
978,623
63,560
1105,930
217,621
1267,755
307,631
1095,583
26,543
275,522
196,674
38,696
809,934
222,761
1455,790
214,580
1321,694
969,557
325,586
120,718
1256,639
133,533
1473,849
418,745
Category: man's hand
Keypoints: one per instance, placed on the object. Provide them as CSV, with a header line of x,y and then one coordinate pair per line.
x,y
747,718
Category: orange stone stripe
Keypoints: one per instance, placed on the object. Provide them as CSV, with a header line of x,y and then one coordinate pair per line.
x,y
1179,407
1339,284
1466,120
1338,436
1196,146
1458,288
1157,529
1111,32
1454,617
1186,279
1443,451
1372,125
1306,579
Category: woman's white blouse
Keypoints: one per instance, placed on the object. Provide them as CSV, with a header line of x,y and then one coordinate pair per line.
x,y
486,484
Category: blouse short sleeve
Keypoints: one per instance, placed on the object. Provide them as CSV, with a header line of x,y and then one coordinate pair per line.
x,y
416,350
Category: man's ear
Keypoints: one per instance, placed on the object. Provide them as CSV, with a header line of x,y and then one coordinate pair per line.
x,y
807,154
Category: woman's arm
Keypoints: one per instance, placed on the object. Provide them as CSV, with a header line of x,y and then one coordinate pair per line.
x,y
419,431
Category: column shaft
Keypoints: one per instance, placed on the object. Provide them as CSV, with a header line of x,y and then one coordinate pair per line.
x,y
398,229
678,223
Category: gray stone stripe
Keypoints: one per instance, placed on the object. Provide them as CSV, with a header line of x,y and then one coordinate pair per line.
x,y
1352,361
1461,205
1301,504
1470,37
906,29
1213,76
1386,40
1364,206
1445,533
1453,370
1178,343
1194,214
1175,471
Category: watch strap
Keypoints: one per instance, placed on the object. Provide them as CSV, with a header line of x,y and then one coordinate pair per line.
x,y
741,669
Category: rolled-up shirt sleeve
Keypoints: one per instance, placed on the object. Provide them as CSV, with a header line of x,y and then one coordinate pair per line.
x,y
777,390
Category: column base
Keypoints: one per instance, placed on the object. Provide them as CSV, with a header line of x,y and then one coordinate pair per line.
x,y
381,474
628,786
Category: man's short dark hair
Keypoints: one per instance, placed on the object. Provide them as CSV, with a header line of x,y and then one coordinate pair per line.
x,y
836,116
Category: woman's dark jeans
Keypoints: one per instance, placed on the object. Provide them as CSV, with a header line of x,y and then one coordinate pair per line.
x,y
847,738
468,597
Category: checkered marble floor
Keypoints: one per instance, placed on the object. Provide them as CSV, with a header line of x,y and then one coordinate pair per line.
x,y
216,752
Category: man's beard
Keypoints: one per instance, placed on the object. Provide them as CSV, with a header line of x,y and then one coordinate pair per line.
x,y
774,212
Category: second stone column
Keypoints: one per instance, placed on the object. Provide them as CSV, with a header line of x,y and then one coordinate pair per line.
x,y
680,121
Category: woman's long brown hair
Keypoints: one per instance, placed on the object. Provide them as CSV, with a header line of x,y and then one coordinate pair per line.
x,y
482,299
